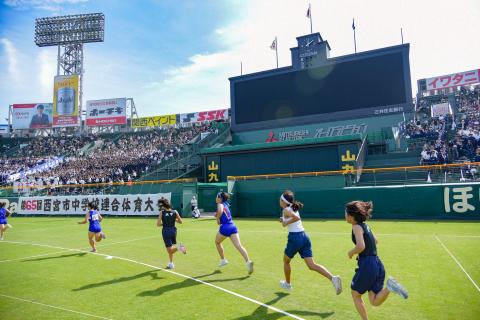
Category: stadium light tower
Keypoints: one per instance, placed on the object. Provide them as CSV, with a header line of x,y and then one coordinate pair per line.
x,y
69,33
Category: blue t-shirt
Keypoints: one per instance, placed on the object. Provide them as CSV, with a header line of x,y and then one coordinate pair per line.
x,y
3,214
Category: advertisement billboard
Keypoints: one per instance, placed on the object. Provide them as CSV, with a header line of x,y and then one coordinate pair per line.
x,y
65,101
32,116
454,80
182,118
107,112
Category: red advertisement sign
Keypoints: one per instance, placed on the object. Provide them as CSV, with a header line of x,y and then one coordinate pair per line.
x,y
454,80
106,112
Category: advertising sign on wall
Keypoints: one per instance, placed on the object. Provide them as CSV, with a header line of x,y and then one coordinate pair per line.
x,y
107,112
65,101
32,116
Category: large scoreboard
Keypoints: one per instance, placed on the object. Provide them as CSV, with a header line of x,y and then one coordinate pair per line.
x,y
362,85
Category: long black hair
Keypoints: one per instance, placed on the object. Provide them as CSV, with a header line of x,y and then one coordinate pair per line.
x,y
359,210
290,197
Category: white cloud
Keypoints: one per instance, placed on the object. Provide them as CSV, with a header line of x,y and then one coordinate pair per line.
x,y
203,82
11,57
47,65
47,5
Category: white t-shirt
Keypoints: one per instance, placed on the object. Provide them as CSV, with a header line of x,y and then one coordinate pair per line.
x,y
297,225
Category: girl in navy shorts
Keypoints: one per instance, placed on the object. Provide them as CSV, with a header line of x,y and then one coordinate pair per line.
x,y
167,219
370,274
299,242
94,228
228,230
4,212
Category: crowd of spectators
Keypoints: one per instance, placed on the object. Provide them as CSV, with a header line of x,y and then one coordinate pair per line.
x,y
448,138
104,159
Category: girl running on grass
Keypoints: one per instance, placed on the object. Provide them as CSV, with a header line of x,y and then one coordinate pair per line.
x,y
4,213
167,219
228,230
370,274
299,242
94,228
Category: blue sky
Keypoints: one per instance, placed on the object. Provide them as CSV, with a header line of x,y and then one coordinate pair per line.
x,y
176,56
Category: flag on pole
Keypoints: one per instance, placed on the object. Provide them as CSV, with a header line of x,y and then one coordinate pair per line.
x,y
273,46
353,24
309,13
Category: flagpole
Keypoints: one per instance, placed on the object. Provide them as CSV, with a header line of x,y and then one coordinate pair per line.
x,y
401,33
310,8
276,50
354,36
241,68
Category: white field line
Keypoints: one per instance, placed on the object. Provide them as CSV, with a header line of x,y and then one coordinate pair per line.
x,y
56,252
458,263
54,307
169,271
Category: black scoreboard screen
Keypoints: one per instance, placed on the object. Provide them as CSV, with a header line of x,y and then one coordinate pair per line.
x,y
344,86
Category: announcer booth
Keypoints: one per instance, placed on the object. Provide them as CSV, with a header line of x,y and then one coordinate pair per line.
x,y
317,100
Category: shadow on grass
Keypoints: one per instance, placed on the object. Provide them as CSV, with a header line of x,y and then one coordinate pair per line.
x,y
81,254
263,313
187,283
153,274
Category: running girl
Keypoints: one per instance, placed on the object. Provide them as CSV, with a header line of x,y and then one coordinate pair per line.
x,y
94,229
228,230
4,213
299,242
370,274
167,219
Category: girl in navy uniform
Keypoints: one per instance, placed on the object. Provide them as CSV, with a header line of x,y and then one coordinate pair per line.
x,y
94,228
167,219
370,274
4,212
299,242
228,230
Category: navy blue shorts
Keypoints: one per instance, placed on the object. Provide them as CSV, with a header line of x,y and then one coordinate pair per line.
x,y
369,276
169,236
3,221
298,242
228,229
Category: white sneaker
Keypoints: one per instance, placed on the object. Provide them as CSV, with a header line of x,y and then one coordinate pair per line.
x,y
285,285
103,236
9,226
1,238
250,267
182,249
337,284
170,266
223,263
394,286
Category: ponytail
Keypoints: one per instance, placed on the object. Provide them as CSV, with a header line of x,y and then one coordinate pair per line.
x,y
289,198
359,210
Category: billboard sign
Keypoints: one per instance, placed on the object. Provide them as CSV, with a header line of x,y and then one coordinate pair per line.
x,y
183,118
130,204
32,116
65,101
107,112
454,80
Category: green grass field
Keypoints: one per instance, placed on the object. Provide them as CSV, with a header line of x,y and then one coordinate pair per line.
x,y
41,278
